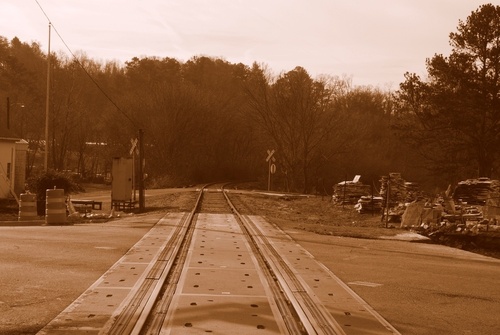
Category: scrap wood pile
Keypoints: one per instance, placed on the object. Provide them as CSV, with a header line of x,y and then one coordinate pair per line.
x,y
421,214
349,192
369,204
412,191
471,226
474,208
481,191
475,201
429,219
355,192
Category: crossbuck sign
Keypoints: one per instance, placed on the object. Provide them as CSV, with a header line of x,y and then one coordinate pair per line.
x,y
134,142
270,154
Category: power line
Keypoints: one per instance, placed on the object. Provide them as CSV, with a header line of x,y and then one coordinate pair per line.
x,y
85,70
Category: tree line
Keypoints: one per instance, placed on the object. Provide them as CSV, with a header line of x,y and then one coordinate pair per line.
x,y
207,119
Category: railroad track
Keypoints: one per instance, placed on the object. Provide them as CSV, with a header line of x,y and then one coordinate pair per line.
x,y
218,271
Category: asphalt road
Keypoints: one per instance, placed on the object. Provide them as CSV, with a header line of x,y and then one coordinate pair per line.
x,y
419,288
44,268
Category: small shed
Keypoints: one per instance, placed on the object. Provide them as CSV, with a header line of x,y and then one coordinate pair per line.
x,y
13,158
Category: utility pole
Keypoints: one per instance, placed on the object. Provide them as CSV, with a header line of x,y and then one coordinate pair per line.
x,y
141,171
47,107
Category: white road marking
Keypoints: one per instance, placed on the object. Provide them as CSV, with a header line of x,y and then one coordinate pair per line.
x,y
364,283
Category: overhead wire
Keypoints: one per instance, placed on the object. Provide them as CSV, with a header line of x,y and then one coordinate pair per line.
x,y
84,69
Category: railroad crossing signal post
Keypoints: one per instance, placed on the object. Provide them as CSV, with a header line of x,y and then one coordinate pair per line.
x,y
137,148
133,153
387,203
271,167
141,171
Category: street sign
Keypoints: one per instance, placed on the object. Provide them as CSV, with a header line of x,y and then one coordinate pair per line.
x,y
270,154
134,142
273,168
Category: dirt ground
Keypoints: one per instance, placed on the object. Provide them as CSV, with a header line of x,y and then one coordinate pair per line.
x,y
321,216
316,214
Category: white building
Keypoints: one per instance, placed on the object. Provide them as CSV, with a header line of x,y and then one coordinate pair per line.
x,y
13,158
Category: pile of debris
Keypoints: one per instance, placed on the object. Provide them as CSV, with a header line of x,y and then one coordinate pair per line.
x,y
369,204
420,214
412,190
355,192
460,227
474,207
349,192
394,187
399,190
479,235
477,191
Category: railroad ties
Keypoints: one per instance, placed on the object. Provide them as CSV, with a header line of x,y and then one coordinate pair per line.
x,y
218,272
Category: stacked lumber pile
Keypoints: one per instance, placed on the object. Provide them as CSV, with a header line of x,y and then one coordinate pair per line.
x,y
369,204
400,191
396,186
412,191
349,192
477,191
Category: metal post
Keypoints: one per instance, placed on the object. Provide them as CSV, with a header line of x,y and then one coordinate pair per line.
x,y
269,176
343,196
141,171
134,175
269,160
373,211
388,194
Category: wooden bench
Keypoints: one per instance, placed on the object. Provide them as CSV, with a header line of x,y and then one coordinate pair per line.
x,y
97,205
122,205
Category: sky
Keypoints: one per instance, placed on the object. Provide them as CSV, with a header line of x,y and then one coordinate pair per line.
x,y
373,42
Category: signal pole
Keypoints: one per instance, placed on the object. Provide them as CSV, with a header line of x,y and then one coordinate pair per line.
x,y
271,167
141,171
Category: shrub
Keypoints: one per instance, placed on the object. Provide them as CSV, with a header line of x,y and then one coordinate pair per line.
x,y
40,183
52,179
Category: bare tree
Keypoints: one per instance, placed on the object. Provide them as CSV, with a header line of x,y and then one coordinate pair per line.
x,y
298,113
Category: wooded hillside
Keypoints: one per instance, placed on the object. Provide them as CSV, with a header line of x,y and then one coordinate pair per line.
x,y
207,119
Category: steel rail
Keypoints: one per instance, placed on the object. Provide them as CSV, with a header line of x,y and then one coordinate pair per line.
x,y
293,320
145,311
312,314
158,305
127,317
138,308
290,319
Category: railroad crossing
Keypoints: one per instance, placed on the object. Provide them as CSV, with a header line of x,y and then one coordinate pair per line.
x,y
216,271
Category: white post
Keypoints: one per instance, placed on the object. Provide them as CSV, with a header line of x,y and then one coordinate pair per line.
x,y
269,176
